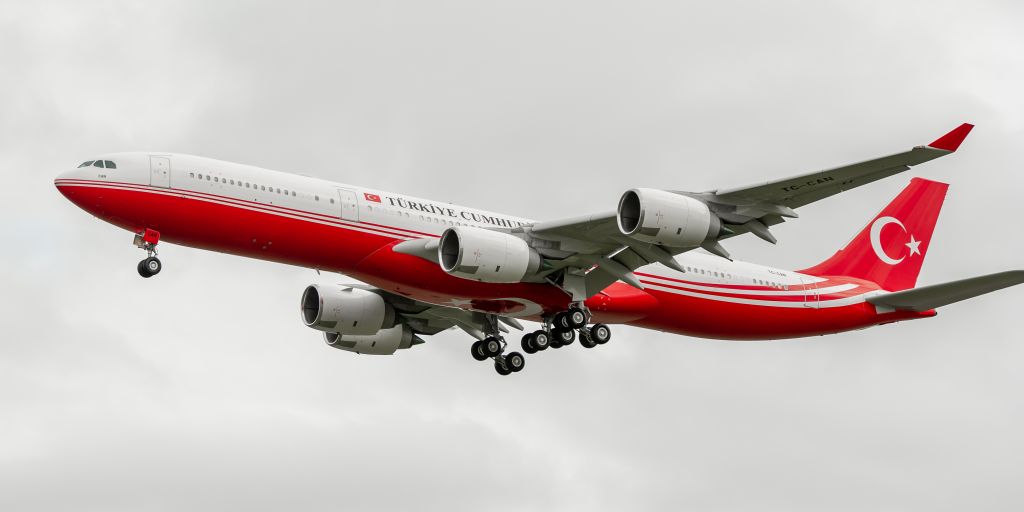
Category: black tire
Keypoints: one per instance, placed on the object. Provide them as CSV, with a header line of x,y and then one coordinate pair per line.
x,y
152,266
586,340
561,321
600,333
142,270
499,366
477,351
541,340
565,336
527,343
491,347
576,318
514,362
554,342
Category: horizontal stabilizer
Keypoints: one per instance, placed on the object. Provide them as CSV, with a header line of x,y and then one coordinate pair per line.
x,y
936,295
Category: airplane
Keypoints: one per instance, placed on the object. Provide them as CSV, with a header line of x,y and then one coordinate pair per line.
x,y
424,266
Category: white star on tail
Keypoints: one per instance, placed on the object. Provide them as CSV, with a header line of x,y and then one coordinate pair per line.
x,y
912,245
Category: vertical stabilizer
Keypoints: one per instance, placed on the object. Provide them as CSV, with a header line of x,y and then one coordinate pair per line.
x,y
891,248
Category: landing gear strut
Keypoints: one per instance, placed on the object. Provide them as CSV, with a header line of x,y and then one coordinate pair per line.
x,y
147,241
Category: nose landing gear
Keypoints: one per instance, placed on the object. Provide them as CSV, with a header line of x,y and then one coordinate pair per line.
x,y
147,241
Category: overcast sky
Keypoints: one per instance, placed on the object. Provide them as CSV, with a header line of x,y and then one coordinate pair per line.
x,y
201,389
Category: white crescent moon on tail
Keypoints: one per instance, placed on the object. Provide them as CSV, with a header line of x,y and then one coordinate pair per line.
x,y
876,243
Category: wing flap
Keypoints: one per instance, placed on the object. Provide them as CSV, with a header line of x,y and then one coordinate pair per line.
x,y
937,295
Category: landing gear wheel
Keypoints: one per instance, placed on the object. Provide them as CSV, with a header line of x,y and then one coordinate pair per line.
x,y
150,267
555,342
600,333
491,347
564,336
541,341
586,340
514,362
528,344
478,351
561,321
499,366
576,318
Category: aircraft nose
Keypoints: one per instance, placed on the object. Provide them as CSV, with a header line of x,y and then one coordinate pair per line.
x,y
66,178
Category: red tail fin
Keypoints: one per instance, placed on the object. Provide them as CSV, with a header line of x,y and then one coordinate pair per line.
x,y
890,250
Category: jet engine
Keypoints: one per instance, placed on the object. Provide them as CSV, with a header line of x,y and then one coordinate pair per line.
x,y
382,343
485,255
665,218
345,310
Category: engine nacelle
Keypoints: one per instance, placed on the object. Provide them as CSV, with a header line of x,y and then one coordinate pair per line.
x,y
345,310
485,255
382,343
664,218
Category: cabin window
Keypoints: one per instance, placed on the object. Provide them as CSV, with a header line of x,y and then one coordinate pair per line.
x,y
316,197
216,180
191,175
263,187
232,182
207,177
86,164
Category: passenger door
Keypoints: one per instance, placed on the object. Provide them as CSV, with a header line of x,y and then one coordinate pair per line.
x,y
810,292
160,171
349,204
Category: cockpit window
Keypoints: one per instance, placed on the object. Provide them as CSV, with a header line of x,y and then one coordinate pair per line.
x,y
98,163
86,164
109,164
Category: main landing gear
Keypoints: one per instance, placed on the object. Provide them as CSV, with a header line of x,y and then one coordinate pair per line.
x,y
493,347
558,330
561,329
147,241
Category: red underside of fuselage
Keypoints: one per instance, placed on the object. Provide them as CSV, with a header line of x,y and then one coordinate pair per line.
x,y
363,251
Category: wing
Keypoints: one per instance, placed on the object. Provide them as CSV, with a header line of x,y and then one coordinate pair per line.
x,y
583,255
594,242
807,188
